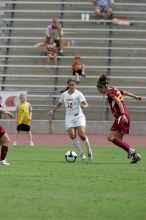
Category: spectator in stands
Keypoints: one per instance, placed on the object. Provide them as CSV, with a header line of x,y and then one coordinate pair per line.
x,y
75,121
103,8
54,30
23,118
4,139
51,50
78,68
121,123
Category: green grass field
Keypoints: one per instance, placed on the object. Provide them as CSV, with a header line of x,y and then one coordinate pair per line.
x,y
41,185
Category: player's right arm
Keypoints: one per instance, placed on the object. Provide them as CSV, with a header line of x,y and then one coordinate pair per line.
x,y
56,107
10,115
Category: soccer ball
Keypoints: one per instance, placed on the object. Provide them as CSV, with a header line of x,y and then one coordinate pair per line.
x,y
70,156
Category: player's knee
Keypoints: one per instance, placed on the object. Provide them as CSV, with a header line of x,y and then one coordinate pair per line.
x,y
83,137
110,138
6,142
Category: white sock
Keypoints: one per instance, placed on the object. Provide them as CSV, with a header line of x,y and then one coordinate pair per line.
x,y
87,144
76,143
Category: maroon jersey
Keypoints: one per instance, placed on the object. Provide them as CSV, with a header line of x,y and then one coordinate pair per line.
x,y
112,92
2,131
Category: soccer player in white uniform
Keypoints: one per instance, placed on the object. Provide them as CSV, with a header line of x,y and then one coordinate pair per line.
x,y
75,120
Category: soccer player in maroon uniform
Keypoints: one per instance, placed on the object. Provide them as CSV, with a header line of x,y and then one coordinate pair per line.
x,y
121,124
4,139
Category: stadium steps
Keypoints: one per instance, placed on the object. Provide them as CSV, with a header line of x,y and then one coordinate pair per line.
x,y
38,104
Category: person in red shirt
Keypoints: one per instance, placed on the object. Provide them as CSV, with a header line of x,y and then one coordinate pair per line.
x,y
121,123
78,68
4,139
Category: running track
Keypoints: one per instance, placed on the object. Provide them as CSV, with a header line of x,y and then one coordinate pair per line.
x,y
63,140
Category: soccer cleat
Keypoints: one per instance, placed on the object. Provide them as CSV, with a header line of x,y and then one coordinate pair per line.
x,y
90,154
31,143
4,162
136,158
131,153
82,156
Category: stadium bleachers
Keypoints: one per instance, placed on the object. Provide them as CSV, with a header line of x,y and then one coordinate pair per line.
x,y
118,50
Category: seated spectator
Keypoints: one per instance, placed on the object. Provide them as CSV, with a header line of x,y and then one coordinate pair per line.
x,y
78,69
103,8
54,30
51,50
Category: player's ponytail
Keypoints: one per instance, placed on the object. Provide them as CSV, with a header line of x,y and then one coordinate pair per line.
x,y
102,81
64,89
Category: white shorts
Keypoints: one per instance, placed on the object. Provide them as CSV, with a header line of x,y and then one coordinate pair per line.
x,y
74,122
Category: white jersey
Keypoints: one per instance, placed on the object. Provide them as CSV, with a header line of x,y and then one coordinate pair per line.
x,y
72,103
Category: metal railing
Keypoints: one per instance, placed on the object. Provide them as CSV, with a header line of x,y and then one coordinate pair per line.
x,y
62,86
71,57
71,3
71,11
68,66
77,38
76,30
77,47
73,20
24,76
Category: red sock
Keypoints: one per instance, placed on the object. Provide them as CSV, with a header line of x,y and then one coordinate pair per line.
x,y
4,150
121,144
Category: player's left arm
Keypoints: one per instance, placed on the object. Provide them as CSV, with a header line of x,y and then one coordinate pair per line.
x,y
84,104
138,98
57,106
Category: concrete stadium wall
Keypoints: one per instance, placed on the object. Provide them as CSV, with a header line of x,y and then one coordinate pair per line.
x,y
93,127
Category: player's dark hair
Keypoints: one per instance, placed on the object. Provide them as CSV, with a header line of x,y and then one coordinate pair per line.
x,y
102,81
68,81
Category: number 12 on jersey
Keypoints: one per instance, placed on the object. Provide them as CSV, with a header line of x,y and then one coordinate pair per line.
x,y
69,104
